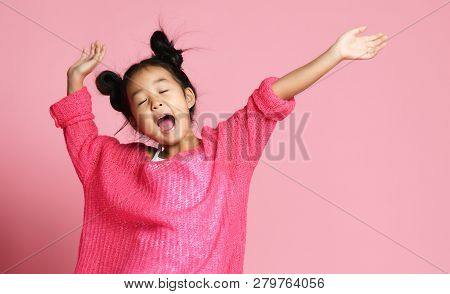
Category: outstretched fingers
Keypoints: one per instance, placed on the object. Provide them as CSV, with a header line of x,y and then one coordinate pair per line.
x,y
83,55
102,53
373,37
380,47
92,51
373,51
377,41
96,51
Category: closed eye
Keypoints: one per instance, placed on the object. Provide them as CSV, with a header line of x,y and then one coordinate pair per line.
x,y
147,99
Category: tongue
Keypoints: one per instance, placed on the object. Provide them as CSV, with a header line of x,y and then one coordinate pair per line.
x,y
166,124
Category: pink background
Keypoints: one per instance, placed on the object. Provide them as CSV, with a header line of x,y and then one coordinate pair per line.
x,y
377,133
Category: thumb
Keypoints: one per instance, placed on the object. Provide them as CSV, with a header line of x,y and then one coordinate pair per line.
x,y
359,30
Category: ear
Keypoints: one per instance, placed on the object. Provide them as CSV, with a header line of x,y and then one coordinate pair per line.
x,y
190,97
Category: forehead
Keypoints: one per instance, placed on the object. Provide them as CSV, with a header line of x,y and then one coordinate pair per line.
x,y
146,77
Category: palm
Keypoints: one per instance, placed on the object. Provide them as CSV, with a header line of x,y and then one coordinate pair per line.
x,y
87,62
352,46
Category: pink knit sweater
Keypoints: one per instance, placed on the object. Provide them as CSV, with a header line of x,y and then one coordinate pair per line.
x,y
185,214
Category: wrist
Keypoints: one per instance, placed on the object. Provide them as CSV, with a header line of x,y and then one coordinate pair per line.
x,y
74,84
73,75
336,53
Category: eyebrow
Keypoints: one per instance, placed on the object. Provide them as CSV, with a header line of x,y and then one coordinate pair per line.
x,y
157,81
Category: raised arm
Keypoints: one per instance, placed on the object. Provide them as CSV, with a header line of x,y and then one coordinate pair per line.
x,y
73,114
246,132
347,46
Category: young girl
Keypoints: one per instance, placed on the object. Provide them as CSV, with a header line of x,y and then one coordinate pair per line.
x,y
181,207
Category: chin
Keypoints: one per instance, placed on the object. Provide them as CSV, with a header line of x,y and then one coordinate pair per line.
x,y
171,138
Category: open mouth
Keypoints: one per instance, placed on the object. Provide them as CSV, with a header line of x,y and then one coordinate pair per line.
x,y
166,123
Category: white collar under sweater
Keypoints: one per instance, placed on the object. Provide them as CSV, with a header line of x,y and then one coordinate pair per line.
x,y
156,156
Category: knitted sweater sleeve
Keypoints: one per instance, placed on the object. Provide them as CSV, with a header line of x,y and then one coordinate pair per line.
x,y
249,128
73,114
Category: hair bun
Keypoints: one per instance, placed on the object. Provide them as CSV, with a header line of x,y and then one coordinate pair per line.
x,y
109,83
164,49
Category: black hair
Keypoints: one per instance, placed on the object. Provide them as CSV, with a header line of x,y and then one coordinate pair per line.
x,y
165,55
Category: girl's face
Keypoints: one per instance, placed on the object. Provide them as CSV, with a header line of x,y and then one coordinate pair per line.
x,y
153,93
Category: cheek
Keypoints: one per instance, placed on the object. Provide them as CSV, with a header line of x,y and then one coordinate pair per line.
x,y
145,122
182,110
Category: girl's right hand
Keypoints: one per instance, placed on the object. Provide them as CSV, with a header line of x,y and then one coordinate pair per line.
x,y
86,63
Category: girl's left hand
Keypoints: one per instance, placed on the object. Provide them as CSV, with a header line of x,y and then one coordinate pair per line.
x,y
351,46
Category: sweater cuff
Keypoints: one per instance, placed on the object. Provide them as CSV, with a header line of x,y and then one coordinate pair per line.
x,y
73,108
269,103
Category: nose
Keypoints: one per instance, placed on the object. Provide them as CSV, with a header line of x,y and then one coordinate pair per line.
x,y
155,105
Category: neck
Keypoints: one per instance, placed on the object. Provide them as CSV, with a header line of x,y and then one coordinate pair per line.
x,y
189,142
